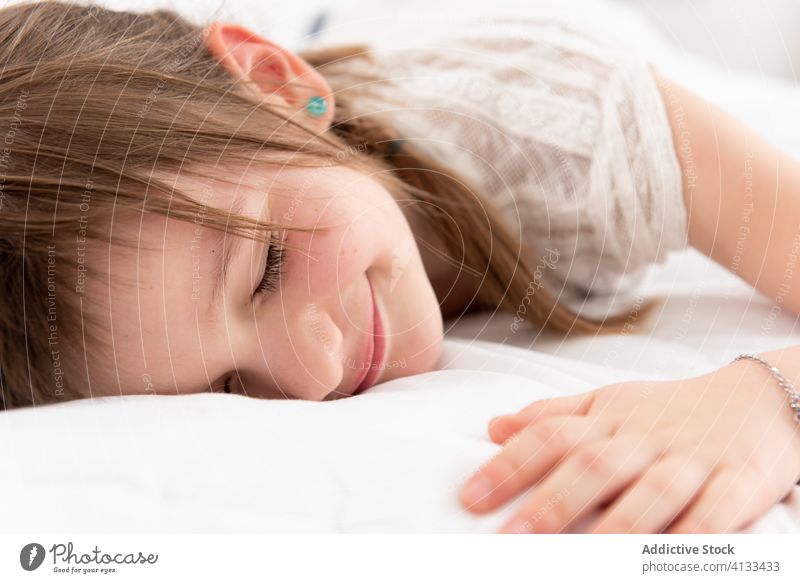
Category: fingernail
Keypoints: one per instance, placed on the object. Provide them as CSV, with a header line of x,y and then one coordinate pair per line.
x,y
477,489
494,420
517,526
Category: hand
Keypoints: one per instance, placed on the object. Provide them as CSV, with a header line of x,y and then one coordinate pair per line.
x,y
705,455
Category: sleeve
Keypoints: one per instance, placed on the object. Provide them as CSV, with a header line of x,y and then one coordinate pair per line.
x,y
632,197
564,131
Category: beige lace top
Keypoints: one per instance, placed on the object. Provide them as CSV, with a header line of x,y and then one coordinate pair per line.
x,y
562,128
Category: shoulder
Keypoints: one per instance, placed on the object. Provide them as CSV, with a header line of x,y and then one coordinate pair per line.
x,y
541,70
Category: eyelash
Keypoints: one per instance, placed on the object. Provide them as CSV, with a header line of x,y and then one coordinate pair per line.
x,y
273,268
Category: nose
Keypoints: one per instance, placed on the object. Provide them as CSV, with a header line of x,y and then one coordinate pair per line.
x,y
334,333
305,361
305,355
323,350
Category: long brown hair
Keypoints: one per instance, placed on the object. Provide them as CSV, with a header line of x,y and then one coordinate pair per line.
x,y
93,101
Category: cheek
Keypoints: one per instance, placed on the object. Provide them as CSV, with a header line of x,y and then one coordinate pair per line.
x,y
324,262
343,246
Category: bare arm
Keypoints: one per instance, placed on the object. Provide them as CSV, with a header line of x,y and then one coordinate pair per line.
x,y
742,194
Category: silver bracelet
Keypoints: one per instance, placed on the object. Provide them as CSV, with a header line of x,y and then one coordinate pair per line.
x,y
794,396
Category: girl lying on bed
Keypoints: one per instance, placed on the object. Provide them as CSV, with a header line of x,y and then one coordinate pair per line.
x,y
189,208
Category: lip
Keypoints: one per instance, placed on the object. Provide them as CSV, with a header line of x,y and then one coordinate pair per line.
x,y
376,345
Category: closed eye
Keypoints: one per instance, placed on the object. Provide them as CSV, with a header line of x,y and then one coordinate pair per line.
x,y
273,268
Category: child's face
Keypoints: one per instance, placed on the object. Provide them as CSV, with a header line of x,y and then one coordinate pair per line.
x,y
168,332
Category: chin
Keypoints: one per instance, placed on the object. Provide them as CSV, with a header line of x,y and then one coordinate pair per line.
x,y
426,349
432,338
419,349
422,362
432,355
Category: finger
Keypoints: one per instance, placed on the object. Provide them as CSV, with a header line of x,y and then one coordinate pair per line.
x,y
504,426
590,476
527,457
654,501
729,500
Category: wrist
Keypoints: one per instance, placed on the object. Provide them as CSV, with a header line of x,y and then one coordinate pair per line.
x,y
787,360
767,382
785,384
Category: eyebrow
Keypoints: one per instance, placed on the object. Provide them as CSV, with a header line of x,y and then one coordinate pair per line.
x,y
230,247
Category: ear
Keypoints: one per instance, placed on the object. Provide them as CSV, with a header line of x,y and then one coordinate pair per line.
x,y
283,77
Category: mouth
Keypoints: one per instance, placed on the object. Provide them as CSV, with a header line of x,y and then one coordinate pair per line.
x,y
376,346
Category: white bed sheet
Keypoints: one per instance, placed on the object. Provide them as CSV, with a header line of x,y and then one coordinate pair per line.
x,y
390,460
393,459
